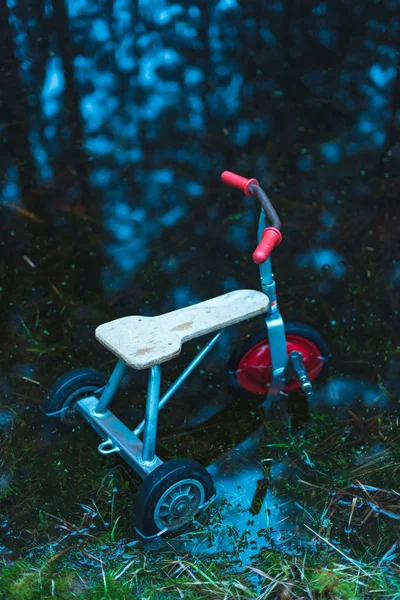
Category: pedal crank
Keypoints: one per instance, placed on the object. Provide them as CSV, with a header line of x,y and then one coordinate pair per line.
x,y
295,367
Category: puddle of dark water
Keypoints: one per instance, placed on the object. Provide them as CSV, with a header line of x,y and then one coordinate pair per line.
x,y
307,489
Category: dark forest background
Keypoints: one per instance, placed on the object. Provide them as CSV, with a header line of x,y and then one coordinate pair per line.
x,y
126,111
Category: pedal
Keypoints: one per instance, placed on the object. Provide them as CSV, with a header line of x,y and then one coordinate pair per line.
x,y
296,365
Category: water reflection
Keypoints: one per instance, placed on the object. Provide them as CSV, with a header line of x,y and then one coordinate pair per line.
x,y
276,491
295,486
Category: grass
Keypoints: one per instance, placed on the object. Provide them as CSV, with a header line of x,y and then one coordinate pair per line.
x,y
344,477
155,576
91,555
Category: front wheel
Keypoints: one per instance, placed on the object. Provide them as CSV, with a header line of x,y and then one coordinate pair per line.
x,y
171,496
250,366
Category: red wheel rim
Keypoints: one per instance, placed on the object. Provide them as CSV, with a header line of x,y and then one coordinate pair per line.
x,y
254,371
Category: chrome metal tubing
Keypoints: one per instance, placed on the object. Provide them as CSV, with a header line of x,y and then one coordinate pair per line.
x,y
277,344
151,416
266,276
111,388
184,375
295,366
118,436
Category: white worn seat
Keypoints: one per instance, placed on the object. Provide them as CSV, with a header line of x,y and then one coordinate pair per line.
x,y
142,342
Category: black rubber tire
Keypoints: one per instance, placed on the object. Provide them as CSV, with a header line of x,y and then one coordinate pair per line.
x,y
157,483
72,386
294,328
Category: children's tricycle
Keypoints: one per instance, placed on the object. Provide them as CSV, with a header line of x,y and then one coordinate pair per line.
x,y
279,358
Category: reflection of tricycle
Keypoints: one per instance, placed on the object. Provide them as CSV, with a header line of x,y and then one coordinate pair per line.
x,y
280,357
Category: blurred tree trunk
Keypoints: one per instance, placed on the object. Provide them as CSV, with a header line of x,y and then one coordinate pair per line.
x,y
203,27
74,175
79,165
14,110
286,33
32,15
393,132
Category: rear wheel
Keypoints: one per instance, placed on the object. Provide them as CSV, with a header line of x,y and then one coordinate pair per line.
x,y
250,366
70,388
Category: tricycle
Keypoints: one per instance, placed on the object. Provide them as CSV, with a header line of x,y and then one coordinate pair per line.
x,y
279,358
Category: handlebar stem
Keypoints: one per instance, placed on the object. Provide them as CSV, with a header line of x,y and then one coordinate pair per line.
x,y
267,281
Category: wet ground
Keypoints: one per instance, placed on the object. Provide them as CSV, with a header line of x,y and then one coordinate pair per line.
x,y
304,471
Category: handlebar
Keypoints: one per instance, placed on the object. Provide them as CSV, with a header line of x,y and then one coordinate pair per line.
x,y
271,236
239,182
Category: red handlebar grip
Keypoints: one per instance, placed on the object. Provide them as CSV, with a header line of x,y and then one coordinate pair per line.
x,y
238,181
271,237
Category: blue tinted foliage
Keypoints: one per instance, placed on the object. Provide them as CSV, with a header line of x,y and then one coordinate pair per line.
x,y
328,219
305,163
10,191
376,26
323,259
123,18
327,37
331,152
150,65
162,16
99,145
53,87
277,7
193,76
173,216
223,5
183,296
381,76
80,8
160,85
268,36
100,30
394,276
320,9
97,108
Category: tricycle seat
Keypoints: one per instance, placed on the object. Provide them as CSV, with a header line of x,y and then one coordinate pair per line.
x,y
142,342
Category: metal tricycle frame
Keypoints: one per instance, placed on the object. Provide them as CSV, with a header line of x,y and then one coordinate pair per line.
x,y
140,454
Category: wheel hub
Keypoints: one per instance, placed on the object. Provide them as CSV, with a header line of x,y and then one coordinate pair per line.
x,y
178,504
181,507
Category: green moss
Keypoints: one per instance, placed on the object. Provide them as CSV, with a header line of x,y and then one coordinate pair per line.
x,y
109,589
24,581
327,584
161,576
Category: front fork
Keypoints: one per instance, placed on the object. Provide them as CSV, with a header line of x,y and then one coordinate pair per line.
x,y
284,367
